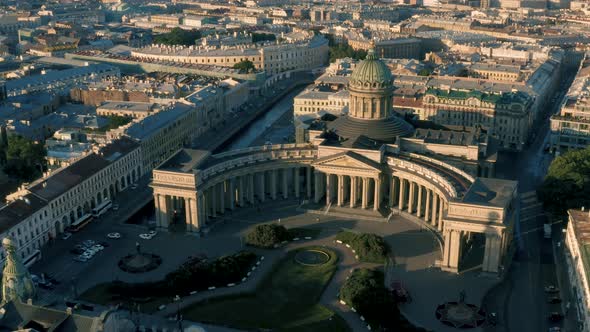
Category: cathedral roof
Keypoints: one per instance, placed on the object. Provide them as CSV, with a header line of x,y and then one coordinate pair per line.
x,y
371,72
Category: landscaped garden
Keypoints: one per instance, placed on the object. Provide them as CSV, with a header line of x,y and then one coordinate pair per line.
x,y
195,274
286,299
370,248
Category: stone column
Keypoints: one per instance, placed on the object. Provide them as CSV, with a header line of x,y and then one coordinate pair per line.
x,y
296,181
188,214
402,193
419,208
340,189
285,189
492,253
392,191
261,187
232,193
308,181
441,204
353,191
195,224
158,210
273,184
328,189
221,197
434,201
164,214
241,188
452,250
201,218
427,207
411,198
213,197
377,197
365,195
251,188
318,191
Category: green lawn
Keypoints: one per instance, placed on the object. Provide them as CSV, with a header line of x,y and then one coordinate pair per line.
x,y
286,300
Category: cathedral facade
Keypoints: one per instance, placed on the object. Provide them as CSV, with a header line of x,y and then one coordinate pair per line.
x,y
370,160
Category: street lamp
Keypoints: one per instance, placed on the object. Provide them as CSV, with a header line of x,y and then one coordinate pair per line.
x,y
178,314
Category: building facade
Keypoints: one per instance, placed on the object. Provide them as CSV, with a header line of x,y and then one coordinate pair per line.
x,y
577,243
505,116
38,212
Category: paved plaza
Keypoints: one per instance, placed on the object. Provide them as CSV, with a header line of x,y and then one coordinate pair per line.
x,y
414,253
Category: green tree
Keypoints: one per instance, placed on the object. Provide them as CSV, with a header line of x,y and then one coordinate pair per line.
x,y
244,66
25,158
178,36
424,72
339,51
266,236
258,37
567,183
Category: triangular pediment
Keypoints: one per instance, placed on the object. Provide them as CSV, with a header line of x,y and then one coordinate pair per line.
x,y
349,160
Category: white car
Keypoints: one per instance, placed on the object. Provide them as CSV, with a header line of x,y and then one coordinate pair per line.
x,y
114,235
145,236
152,233
98,247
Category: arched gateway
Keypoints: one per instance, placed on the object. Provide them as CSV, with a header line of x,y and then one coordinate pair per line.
x,y
362,161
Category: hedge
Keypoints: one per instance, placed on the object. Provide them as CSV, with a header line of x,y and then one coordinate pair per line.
x,y
370,248
195,274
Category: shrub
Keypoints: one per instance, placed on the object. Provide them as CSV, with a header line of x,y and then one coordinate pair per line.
x,y
370,248
364,290
266,236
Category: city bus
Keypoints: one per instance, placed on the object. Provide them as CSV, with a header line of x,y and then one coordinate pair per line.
x,y
32,258
102,208
80,223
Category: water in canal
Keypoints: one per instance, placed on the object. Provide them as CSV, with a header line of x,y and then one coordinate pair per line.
x,y
263,123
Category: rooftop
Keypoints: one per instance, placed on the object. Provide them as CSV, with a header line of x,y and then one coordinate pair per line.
x,y
492,192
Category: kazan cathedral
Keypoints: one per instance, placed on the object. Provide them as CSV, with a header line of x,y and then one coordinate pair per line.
x,y
369,162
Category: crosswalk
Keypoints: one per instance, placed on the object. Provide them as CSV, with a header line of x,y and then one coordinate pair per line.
x,y
530,207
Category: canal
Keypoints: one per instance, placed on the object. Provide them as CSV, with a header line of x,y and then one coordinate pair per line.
x,y
275,126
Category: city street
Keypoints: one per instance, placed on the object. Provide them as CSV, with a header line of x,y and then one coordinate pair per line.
x,y
521,294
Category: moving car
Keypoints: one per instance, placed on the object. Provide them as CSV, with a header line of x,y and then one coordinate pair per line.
x,y
114,235
551,289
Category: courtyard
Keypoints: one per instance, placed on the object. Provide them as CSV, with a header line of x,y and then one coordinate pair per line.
x,y
415,251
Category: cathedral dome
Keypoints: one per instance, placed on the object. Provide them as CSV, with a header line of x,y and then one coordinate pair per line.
x,y
371,73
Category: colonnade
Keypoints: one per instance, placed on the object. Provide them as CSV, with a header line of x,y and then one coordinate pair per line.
x,y
347,190
416,198
228,193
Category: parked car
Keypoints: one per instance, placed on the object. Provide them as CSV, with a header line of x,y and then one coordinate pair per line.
x,y
114,235
66,235
133,186
553,300
115,207
551,289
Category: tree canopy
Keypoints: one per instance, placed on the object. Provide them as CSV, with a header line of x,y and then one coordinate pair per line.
x,y
340,51
567,183
365,291
266,236
24,158
245,65
178,36
258,37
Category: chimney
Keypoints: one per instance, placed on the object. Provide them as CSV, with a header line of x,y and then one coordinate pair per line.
x,y
69,310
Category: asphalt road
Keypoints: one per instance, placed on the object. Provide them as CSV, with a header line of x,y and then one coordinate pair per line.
x,y
520,300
